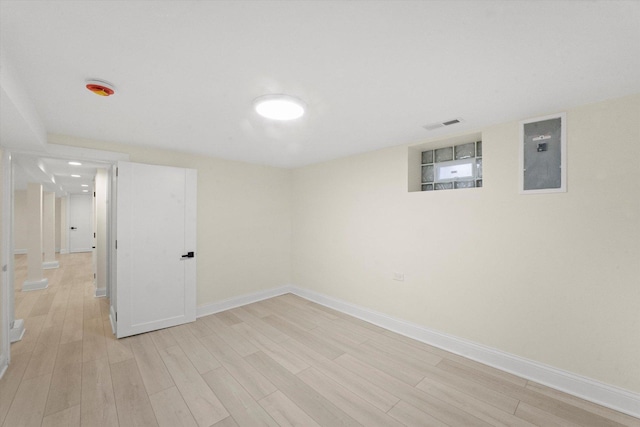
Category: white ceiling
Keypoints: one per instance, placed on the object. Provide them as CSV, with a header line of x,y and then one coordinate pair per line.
x,y
54,174
372,72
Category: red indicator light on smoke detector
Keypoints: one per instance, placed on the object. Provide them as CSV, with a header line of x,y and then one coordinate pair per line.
x,y
100,87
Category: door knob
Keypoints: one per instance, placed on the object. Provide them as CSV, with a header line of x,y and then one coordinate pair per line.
x,y
188,255
74,228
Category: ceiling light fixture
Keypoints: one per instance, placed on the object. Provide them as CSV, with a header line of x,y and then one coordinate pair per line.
x,y
100,87
279,107
75,163
84,185
75,176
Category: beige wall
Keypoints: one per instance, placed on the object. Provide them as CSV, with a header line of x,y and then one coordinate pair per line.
x,y
20,221
244,223
554,278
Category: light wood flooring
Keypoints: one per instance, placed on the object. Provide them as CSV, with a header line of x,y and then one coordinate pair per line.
x,y
279,362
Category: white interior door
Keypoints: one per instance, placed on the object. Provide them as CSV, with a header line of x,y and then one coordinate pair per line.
x,y
156,243
80,223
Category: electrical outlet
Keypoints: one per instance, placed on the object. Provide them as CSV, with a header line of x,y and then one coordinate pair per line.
x,y
398,276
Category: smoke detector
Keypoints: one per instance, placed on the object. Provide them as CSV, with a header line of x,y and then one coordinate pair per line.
x,y
100,87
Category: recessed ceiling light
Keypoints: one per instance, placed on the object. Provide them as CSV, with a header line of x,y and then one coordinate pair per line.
x,y
84,185
279,107
75,163
85,191
75,176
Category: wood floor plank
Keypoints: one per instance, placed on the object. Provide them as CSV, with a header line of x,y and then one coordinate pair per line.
x,y
132,401
69,417
359,409
413,417
171,410
199,328
326,349
94,345
616,416
118,350
376,396
202,360
309,400
256,322
42,305
230,336
33,327
65,388
473,406
539,417
72,328
154,373
443,411
285,412
42,361
556,407
203,403
253,381
288,360
10,382
98,404
388,364
242,407
435,375
27,408
163,338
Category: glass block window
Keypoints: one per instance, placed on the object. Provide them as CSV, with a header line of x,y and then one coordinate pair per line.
x,y
434,160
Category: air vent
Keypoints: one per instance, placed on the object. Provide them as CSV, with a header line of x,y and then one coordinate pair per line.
x,y
434,126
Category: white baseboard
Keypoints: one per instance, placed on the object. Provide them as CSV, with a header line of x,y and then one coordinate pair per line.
x,y
17,331
227,304
100,292
19,251
35,285
586,388
48,265
63,251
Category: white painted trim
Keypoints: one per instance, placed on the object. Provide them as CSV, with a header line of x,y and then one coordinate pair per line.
x,y
19,251
112,319
227,304
100,292
50,265
586,388
17,331
64,251
4,364
35,285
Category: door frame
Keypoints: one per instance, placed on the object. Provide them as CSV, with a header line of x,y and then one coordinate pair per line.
x,y
54,151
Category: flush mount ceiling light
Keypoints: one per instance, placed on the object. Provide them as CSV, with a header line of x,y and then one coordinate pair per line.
x,y
75,163
100,87
279,107
75,176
